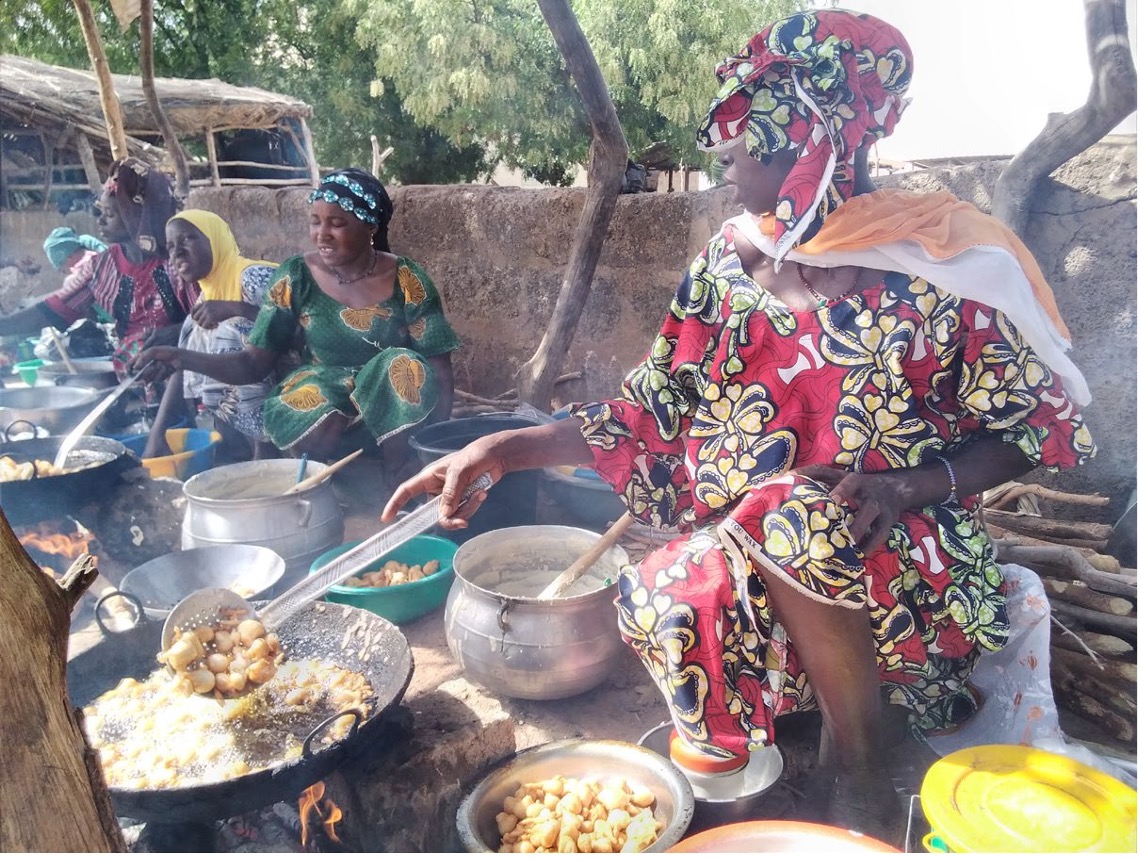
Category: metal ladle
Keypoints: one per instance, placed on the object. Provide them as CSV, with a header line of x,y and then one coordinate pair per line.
x,y
205,606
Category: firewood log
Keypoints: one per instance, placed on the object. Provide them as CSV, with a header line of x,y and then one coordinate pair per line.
x,y
1046,527
1083,596
1105,645
999,535
54,798
1107,707
1126,625
1118,726
1010,494
1113,672
1068,560
1112,696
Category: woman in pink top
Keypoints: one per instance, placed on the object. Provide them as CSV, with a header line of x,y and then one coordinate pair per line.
x,y
130,281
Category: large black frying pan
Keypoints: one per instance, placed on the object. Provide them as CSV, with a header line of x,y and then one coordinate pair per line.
x,y
332,632
53,496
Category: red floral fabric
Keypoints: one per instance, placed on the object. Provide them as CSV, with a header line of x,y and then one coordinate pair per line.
x,y
736,393
823,83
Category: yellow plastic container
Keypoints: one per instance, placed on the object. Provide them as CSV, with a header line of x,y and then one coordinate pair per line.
x,y
1009,798
192,452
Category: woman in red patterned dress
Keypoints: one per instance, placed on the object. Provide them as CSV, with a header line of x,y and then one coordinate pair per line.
x,y
840,374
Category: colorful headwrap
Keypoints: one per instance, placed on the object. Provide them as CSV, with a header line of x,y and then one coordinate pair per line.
x,y
360,194
224,281
62,242
820,83
146,201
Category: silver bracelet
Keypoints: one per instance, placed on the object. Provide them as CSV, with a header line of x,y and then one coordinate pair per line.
x,y
953,496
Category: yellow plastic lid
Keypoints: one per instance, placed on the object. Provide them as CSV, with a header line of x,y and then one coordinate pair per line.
x,y
1010,798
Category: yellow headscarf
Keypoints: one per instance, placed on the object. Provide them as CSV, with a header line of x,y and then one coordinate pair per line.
x,y
224,283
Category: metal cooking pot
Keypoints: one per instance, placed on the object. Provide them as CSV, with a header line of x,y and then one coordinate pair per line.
x,y
88,373
511,642
244,503
338,634
51,496
57,408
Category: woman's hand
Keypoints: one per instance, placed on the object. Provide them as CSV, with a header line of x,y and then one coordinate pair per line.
x,y
163,361
208,314
449,477
164,336
878,499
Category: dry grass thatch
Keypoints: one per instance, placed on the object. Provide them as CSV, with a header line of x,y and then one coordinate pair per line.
x,y
59,101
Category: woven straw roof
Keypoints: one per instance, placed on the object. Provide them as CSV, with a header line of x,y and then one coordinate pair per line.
x,y
54,98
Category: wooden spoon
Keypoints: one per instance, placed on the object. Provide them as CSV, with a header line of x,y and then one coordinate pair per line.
x,y
317,478
587,559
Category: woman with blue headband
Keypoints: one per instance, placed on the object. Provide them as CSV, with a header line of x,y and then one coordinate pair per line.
x,y
376,346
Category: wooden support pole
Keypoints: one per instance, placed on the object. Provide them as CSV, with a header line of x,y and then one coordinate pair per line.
x,y
147,67
87,159
310,153
49,168
212,157
108,98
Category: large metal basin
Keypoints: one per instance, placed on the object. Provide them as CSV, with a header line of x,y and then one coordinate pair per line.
x,y
88,373
55,408
511,642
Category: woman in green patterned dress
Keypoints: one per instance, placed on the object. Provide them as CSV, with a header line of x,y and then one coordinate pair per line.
x,y
377,349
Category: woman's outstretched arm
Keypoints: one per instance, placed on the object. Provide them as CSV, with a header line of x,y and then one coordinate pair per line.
x,y
251,365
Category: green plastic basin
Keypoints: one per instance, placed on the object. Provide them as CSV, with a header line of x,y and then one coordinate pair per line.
x,y
402,602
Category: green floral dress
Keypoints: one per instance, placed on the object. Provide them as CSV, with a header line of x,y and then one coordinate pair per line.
x,y
364,363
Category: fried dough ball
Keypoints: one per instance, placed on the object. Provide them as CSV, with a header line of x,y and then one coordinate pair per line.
x,y
227,660
564,814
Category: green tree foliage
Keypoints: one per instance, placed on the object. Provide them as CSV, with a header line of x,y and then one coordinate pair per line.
x,y
454,86
304,49
488,70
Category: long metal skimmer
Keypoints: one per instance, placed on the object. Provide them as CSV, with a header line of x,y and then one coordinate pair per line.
x,y
298,597
204,606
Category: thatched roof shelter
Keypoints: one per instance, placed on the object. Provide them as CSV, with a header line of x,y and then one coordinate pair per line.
x,y
62,107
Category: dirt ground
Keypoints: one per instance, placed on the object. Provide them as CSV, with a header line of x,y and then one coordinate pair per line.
x,y
623,707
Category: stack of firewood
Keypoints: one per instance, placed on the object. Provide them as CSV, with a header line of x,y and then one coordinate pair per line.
x,y
466,404
1093,601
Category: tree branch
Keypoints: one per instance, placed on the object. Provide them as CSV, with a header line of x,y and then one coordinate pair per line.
x,y
1112,97
608,155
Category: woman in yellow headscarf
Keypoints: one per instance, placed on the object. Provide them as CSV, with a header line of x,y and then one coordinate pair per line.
x,y
203,249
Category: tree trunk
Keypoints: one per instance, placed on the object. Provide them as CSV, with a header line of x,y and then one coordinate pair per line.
x,y
147,67
1112,97
108,98
608,156
54,797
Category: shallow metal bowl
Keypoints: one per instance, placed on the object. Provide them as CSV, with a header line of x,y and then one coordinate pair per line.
x,y
57,408
761,774
163,582
590,760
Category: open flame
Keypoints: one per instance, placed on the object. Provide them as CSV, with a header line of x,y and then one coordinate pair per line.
x,y
49,544
313,799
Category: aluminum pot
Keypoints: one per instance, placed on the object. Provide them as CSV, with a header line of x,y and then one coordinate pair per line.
x,y
511,642
55,408
245,503
88,373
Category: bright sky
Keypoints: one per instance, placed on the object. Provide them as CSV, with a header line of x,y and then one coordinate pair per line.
x,y
987,72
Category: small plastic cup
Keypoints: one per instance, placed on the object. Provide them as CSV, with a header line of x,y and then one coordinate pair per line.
x,y
28,370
